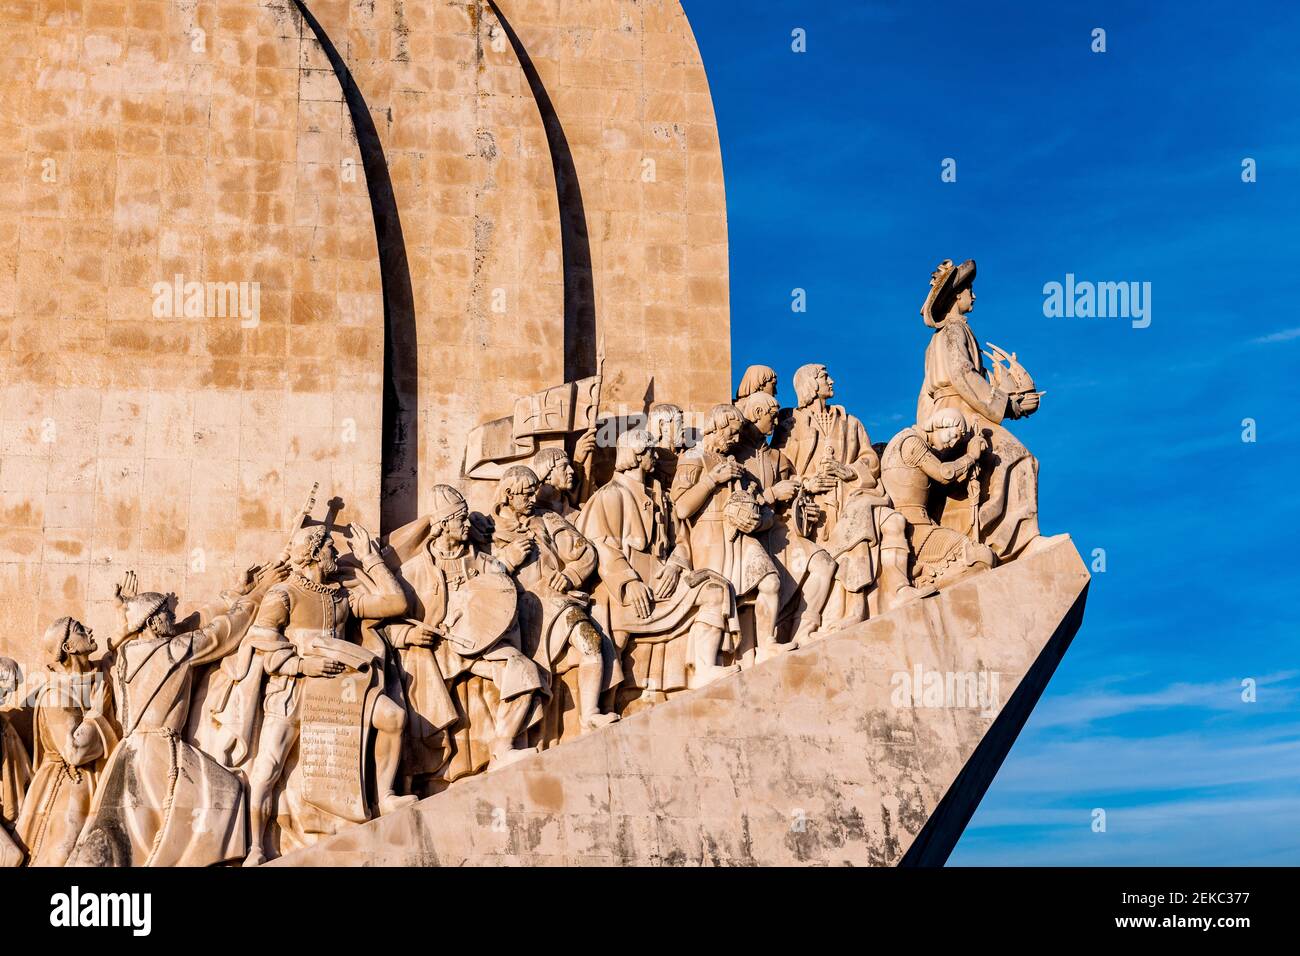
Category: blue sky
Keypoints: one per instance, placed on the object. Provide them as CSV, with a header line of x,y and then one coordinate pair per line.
x,y
1116,166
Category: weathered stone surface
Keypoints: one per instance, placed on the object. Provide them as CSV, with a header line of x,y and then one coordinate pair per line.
x,y
214,140
813,758
139,142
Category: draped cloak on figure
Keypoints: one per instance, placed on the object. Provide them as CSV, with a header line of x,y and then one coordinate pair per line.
x,y
15,775
63,788
636,535
161,800
955,377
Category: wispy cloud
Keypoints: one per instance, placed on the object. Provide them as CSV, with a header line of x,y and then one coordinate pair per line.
x,y
1286,335
1275,691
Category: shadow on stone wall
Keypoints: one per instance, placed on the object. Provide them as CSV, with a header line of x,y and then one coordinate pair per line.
x,y
579,291
399,495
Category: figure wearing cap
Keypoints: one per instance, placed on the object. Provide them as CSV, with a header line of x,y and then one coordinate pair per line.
x,y
162,801
1005,516
561,489
461,613
15,770
72,738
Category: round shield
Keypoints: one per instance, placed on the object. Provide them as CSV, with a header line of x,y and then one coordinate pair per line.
x,y
489,611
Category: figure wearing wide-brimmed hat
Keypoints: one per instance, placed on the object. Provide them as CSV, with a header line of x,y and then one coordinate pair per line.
x,y
1006,518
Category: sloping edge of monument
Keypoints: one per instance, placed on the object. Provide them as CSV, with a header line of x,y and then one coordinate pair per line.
x,y
933,845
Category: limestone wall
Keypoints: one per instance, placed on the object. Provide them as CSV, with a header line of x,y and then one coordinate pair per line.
x,y
138,142
539,173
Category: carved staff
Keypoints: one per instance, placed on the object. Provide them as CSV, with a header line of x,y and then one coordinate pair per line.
x,y
600,380
304,513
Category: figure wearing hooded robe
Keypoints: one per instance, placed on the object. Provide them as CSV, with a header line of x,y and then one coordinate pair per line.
x,y
72,738
1005,514
15,770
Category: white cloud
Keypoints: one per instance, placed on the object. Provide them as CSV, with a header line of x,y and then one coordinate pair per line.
x,y
1286,335
1067,710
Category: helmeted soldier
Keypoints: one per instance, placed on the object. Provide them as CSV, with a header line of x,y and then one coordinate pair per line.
x,y
560,488
461,604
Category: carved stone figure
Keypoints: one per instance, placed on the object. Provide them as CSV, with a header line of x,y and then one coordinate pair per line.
x,y
757,378
1007,515
72,737
666,425
161,801
303,626
807,569
829,449
462,604
912,468
727,519
762,378
650,594
850,514
562,489
555,628
15,769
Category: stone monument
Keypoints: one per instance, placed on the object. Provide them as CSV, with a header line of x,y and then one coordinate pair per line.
x,y
463,265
